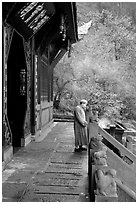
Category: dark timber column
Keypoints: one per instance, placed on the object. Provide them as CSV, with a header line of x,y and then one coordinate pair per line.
x,y
33,89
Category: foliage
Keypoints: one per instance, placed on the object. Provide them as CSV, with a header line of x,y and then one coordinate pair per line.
x,y
101,68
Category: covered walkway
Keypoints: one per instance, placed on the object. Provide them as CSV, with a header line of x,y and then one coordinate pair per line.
x,y
47,170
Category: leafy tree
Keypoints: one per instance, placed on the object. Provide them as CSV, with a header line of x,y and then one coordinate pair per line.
x,y
102,66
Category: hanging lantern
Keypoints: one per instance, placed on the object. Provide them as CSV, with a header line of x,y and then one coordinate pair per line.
x,y
62,24
64,35
63,28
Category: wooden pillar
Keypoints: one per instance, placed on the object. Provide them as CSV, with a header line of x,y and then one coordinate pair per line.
x,y
33,88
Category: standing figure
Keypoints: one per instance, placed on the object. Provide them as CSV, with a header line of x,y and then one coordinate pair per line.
x,y
80,127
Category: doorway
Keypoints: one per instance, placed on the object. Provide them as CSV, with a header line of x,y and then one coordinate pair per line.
x,y
16,89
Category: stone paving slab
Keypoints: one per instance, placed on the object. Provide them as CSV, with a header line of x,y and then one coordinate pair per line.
x,y
10,199
56,182
74,157
65,148
68,171
62,168
61,198
21,176
32,197
65,165
15,190
56,175
56,190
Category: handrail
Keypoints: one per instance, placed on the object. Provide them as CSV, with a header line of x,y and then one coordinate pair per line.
x,y
112,140
130,192
118,145
119,126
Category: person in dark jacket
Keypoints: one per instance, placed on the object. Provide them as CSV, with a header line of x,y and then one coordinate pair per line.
x,y
80,127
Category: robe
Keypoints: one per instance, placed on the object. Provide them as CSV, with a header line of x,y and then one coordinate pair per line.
x,y
80,131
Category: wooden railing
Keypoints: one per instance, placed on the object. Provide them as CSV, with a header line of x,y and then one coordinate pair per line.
x,y
94,129
126,172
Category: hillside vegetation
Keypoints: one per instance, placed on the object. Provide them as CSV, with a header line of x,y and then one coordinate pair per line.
x,y
102,66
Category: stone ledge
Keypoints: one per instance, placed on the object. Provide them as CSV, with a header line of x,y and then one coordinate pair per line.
x,y
101,198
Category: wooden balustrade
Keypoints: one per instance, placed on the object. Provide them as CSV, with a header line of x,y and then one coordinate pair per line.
x,y
93,131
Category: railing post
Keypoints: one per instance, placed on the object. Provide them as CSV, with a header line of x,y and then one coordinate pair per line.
x,y
97,161
129,143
